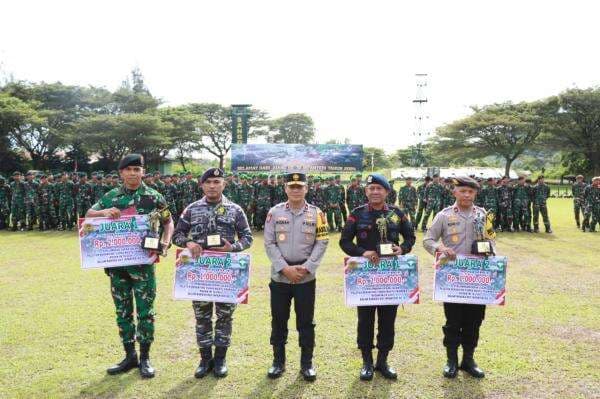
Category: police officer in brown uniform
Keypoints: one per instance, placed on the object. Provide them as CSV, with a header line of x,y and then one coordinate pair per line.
x,y
455,227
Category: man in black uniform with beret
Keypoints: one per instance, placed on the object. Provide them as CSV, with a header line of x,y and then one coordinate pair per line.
x,y
362,225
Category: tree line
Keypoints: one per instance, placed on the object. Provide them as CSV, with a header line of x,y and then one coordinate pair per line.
x,y
53,126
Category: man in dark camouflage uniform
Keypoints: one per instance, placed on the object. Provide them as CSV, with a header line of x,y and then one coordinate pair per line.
x,y
577,191
216,211
541,194
47,217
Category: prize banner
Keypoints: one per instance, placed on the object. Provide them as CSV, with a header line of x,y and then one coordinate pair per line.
x,y
212,277
395,280
304,158
106,242
470,279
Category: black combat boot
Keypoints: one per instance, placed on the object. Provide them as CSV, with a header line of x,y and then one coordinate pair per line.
x,y
548,229
382,366
206,363
306,368
451,367
468,363
536,228
278,367
220,363
146,369
366,372
130,361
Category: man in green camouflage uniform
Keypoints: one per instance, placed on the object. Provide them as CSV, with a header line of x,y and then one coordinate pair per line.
x,y
355,194
47,217
422,200
85,195
263,199
541,194
333,196
593,198
279,191
434,195
17,202
31,205
392,196
448,197
520,205
505,214
342,189
408,199
5,195
134,283
577,191
65,202
246,197
170,194
489,197
230,190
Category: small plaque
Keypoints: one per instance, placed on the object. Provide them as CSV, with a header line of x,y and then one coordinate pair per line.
x,y
385,249
152,243
481,247
213,240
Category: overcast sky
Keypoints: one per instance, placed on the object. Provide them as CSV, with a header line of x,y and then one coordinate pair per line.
x,y
349,65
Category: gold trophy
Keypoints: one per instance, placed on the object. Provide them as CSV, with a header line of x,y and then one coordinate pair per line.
x,y
384,248
152,239
481,246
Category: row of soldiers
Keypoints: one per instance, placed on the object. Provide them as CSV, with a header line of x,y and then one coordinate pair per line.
x,y
56,201
586,201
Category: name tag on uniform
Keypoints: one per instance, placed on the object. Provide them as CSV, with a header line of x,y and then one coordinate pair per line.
x,y
213,240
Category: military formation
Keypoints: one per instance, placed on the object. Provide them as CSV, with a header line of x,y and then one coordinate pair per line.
x,y
56,201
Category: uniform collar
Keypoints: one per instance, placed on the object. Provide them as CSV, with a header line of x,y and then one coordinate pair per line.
x,y
288,208
224,201
385,207
141,188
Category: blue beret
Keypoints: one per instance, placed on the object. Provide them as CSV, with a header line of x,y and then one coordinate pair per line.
x,y
376,178
212,172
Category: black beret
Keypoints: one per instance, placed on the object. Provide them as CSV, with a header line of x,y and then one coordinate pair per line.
x,y
540,177
212,172
295,178
131,160
43,176
376,178
490,178
436,175
427,178
466,182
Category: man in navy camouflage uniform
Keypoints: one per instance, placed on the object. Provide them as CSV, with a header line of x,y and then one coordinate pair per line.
x,y
196,220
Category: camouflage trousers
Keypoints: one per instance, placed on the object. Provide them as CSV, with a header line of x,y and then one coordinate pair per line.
x,y
543,209
577,209
204,326
520,215
31,212
419,213
4,214
260,216
47,219
17,211
410,211
344,211
65,215
127,283
595,216
504,217
334,214
432,209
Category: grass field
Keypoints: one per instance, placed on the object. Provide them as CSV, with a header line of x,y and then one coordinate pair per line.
x,y
58,333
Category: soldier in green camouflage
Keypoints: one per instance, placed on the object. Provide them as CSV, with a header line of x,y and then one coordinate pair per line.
x,y
160,186
263,197
170,194
75,211
66,204
541,194
279,191
47,217
31,204
489,197
392,196
137,283
422,200
333,197
434,195
593,198
85,195
5,196
448,197
246,197
520,205
354,194
577,191
505,214
408,199
17,202
230,191
342,189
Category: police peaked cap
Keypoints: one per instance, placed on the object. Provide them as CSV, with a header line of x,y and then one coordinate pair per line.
x,y
131,160
376,178
212,172
295,178
466,182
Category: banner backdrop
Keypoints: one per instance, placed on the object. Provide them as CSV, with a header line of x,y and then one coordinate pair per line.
x,y
305,158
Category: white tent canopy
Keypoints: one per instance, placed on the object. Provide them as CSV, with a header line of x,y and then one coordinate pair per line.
x,y
480,172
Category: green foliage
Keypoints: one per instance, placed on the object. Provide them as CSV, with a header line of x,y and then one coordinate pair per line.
x,y
292,129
